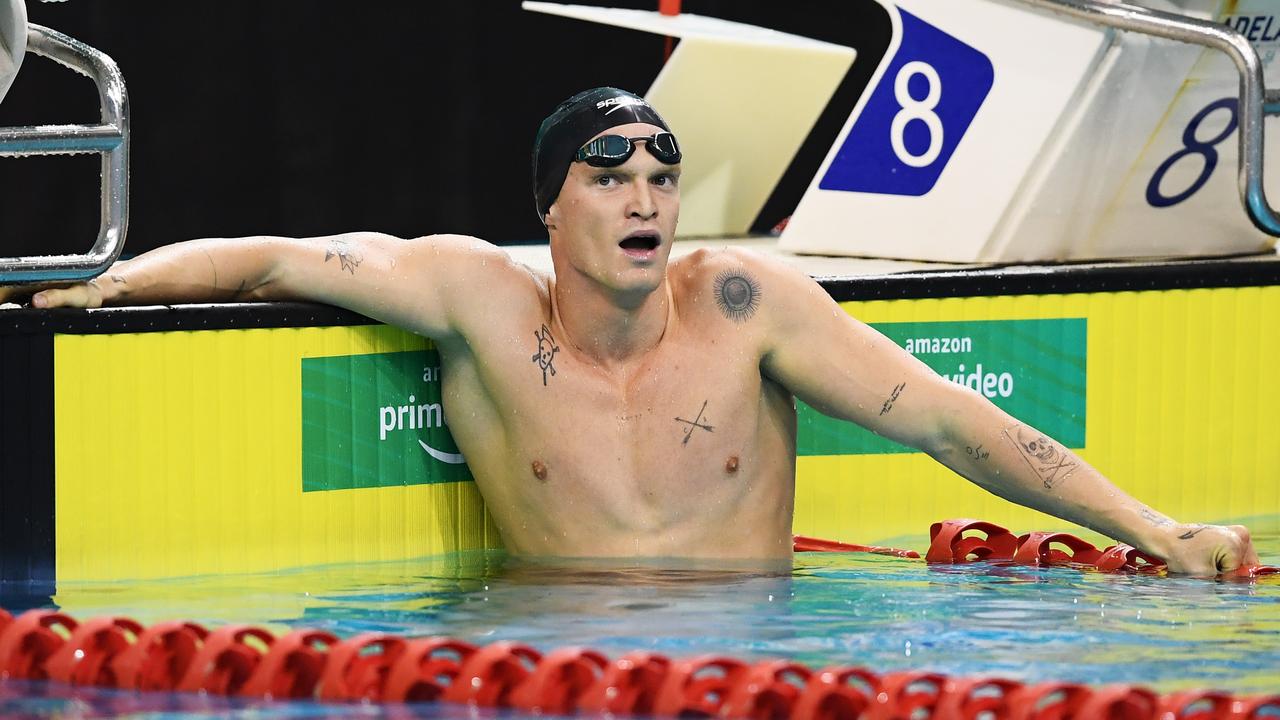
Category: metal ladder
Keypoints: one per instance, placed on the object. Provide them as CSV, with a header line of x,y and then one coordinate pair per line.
x,y
110,139
1255,100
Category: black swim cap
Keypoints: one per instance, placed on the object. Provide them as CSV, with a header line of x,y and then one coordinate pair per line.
x,y
571,125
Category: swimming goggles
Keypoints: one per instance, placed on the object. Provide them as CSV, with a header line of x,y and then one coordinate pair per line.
x,y
613,150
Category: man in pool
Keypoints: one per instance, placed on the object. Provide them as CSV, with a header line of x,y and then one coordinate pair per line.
x,y
626,406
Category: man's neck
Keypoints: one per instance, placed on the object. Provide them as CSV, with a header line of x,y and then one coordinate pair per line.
x,y
606,327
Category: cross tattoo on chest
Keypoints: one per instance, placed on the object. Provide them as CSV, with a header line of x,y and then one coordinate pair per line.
x,y
697,422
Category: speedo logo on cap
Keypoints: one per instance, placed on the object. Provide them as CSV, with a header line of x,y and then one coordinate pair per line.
x,y
617,103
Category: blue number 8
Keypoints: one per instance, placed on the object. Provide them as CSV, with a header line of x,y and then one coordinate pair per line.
x,y
1192,146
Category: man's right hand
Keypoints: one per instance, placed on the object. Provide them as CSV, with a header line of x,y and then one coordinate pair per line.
x,y
80,294
423,285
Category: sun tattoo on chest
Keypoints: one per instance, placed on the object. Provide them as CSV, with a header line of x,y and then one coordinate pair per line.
x,y
737,294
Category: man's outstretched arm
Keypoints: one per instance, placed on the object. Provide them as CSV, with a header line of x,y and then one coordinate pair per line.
x,y
402,282
847,370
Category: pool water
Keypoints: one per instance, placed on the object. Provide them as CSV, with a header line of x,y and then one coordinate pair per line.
x,y
883,613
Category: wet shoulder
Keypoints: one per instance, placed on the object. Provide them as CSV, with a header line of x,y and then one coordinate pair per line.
x,y
496,288
496,275
727,284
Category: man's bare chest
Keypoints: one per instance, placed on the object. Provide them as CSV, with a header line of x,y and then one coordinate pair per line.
x,y
684,439
675,400
686,409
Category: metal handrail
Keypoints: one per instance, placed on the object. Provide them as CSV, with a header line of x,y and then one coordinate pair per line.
x,y
1254,97
111,139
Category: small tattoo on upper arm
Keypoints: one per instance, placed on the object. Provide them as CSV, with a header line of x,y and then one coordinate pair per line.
x,y
977,453
697,422
1194,531
348,259
737,295
893,397
546,355
1049,462
1155,518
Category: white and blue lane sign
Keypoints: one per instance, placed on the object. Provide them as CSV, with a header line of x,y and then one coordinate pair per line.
x,y
915,116
1197,141
1259,29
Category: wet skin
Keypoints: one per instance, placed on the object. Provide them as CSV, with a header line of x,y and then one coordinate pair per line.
x,y
657,434
625,406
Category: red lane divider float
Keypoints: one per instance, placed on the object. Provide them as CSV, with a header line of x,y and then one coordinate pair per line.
x,y
426,669
1121,557
908,694
964,540
159,657
358,668
1037,548
837,692
977,697
560,681
949,544
292,667
492,674
770,689
628,685
226,660
374,667
29,640
86,657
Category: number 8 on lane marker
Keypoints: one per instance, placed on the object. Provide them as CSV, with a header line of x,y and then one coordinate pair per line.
x,y
902,141
913,109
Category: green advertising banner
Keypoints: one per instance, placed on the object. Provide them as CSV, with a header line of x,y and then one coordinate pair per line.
x,y
376,421
1033,369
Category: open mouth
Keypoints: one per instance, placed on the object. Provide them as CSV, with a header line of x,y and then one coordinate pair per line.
x,y
640,243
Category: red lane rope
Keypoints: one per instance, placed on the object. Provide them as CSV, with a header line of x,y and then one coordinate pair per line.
x,y
375,667
247,661
803,543
966,540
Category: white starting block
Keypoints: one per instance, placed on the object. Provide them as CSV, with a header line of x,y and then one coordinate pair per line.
x,y
991,131
1089,143
946,133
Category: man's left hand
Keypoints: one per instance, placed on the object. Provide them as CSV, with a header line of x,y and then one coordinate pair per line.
x,y
1208,550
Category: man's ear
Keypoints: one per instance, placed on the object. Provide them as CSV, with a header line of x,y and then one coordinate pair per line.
x,y
553,216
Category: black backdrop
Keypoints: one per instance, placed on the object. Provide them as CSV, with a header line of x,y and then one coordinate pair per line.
x,y
307,118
